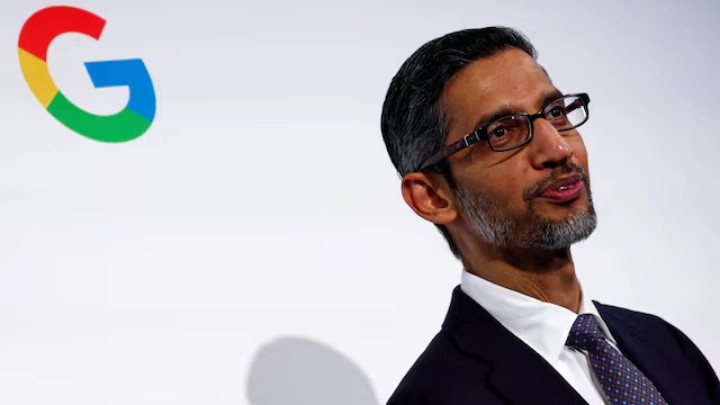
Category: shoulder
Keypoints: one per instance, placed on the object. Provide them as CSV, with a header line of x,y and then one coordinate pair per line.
x,y
440,374
645,324
641,321
630,317
415,388
653,327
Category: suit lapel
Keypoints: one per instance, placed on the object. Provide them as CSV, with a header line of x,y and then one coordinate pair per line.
x,y
517,373
641,343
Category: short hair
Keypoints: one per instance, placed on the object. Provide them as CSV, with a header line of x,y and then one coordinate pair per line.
x,y
413,120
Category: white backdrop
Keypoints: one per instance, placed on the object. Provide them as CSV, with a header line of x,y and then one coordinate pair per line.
x,y
253,247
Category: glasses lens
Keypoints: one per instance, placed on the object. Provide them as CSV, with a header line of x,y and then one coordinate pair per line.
x,y
567,113
506,133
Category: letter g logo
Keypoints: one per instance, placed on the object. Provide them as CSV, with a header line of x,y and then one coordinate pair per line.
x,y
35,38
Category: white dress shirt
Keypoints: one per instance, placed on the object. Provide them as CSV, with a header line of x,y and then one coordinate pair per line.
x,y
545,328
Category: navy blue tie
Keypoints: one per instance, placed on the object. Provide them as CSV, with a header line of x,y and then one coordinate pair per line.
x,y
622,382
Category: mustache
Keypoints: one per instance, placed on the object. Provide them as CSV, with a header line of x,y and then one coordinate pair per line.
x,y
533,191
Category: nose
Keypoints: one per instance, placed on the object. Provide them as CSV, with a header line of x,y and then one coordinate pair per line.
x,y
549,148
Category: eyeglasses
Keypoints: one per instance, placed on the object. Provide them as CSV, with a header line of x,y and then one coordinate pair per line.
x,y
511,132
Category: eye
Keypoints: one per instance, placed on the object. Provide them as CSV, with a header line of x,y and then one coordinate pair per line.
x,y
556,112
507,132
498,132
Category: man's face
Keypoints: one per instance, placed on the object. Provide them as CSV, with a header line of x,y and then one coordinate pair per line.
x,y
507,198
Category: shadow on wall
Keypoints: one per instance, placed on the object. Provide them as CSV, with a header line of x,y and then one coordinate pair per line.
x,y
293,371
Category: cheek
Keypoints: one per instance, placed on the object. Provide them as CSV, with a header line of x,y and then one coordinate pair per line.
x,y
507,187
580,157
579,152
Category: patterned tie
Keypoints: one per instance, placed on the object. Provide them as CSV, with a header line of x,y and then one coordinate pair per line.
x,y
622,382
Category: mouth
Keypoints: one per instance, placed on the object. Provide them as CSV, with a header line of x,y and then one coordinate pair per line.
x,y
563,190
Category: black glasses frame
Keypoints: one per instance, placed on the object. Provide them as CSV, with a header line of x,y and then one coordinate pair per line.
x,y
481,133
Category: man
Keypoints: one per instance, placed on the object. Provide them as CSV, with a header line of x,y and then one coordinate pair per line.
x,y
489,151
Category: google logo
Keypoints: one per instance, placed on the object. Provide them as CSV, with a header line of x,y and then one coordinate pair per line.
x,y
35,37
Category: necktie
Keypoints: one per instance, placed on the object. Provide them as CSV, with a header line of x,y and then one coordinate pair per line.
x,y
622,382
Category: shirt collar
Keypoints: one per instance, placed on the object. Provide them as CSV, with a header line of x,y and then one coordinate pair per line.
x,y
541,325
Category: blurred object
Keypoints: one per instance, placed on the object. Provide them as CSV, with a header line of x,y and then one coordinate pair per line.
x,y
302,372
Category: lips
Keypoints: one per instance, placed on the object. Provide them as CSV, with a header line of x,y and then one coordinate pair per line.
x,y
564,189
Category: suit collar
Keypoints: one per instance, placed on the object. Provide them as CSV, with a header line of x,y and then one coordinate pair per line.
x,y
542,325
513,364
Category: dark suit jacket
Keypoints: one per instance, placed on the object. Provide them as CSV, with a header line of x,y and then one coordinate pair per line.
x,y
474,360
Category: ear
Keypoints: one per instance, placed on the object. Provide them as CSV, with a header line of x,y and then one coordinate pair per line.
x,y
430,197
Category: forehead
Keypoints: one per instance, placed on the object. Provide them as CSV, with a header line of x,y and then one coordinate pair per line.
x,y
509,80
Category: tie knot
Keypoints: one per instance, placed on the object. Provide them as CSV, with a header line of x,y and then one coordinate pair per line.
x,y
585,333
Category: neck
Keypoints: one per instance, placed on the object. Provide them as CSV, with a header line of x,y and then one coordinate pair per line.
x,y
546,275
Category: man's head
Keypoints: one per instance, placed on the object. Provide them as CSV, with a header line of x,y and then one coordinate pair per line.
x,y
523,183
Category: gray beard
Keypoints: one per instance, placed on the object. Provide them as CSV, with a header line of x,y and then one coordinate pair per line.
x,y
486,217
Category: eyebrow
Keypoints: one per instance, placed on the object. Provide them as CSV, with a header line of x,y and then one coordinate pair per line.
x,y
508,110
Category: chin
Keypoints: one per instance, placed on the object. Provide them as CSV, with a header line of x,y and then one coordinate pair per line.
x,y
565,210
